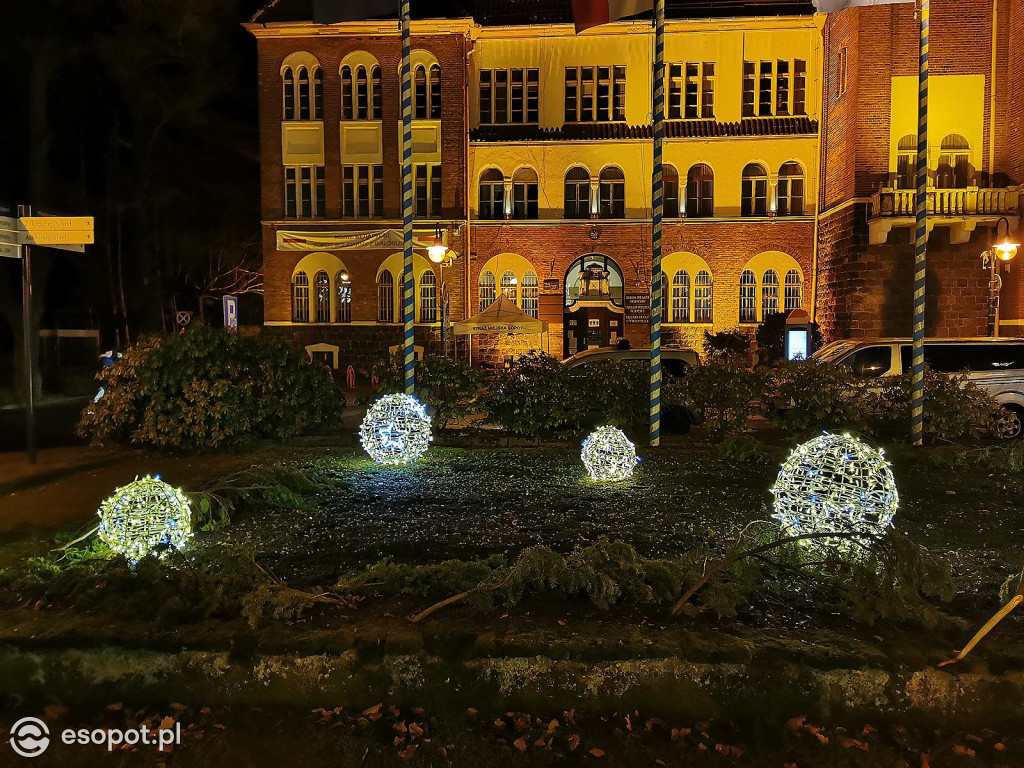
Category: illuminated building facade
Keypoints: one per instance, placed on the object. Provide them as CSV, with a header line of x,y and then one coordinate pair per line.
x,y
532,152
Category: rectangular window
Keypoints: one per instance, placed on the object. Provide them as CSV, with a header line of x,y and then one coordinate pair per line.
x,y
691,109
749,87
595,94
764,90
532,96
782,87
427,190
362,190
799,87
304,191
707,98
501,96
516,96
675,92
702,297
842,71
524,200
486,115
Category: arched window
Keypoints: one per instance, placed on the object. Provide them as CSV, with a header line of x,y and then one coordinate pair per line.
x,y
524,194
419,84
362,94
755,191
748,297
681,297
700,191
702,297
318,93
302,107
487,289
577,193
510,286
289,94
322,297
492,194
794,286
531,293
954,170
342,297
769,294
385,297
670,194
906,162
428,297
347,105
375,108
612,193
790,190
435,91
300,298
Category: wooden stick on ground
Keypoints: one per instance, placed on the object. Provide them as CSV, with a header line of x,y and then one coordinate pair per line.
x,y
1001,614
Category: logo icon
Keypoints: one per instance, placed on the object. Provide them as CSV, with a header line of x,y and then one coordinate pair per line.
x,y
30,737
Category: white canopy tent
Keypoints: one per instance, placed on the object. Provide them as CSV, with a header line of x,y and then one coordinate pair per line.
x,y
501,316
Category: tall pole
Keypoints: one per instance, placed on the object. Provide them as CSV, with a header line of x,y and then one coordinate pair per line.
x,y
658,202
408,302
921,236
26,325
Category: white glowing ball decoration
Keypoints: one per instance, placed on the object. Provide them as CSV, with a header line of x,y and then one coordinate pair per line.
x,y
836,483
609,455
144,516
396,430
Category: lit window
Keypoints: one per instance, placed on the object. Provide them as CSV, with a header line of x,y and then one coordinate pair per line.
x,y
322,297
342,298
428,297
681,297
531,293
794,288
769,294
300,298
385,297
755,191
488,292
577,193
612,191
748,297
702,297
790,190
510,286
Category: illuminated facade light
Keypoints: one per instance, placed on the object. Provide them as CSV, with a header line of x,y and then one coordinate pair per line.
x,y
396,430
146,516
609,455
836,483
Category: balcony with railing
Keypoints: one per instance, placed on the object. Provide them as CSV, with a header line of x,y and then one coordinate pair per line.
x,y
959,209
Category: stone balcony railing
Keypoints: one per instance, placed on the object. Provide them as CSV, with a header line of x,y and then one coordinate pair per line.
x,y
960,209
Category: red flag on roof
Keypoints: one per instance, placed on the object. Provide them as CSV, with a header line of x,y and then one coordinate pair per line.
x,y
590,13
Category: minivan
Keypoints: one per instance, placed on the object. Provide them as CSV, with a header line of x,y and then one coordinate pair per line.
x,y
995,365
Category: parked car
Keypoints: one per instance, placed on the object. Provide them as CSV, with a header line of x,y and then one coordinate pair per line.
x,y
995,365
674,362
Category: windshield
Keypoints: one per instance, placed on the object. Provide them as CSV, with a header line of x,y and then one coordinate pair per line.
x,y
832,352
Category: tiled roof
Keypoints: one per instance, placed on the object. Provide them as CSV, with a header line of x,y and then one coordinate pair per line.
x,y
674,129
513,12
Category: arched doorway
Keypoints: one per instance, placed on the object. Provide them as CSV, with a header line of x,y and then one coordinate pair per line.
x,y
593,304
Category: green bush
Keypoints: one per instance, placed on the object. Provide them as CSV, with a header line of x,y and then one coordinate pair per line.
x,y
724,390
734,342
533,396
447,387
954,407
207,389
811,395
619,391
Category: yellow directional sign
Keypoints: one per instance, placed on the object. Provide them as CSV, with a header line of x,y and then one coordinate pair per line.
x,y
57,230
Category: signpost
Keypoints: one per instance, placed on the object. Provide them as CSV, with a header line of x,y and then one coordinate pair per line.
x,y
17,235
231,312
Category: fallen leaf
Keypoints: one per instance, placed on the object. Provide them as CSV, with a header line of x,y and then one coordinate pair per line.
x,y
520,744
400,727
167,723
375,709
999,746
53,711
205,711
115,707
962,751
595,752
178,707
574,741
415,730
796,723
851,743
472,711
409,752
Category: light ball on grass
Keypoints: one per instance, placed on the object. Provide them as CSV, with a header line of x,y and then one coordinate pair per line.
x,y
396,430
836,483
609,455
144,517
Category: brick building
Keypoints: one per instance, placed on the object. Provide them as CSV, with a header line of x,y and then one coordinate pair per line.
x,y
532,153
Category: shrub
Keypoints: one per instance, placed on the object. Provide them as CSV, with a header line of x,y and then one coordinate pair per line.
x,y
534,395
724,390
810,395
447,387
619,391
954,407
734,342
207,389
771,337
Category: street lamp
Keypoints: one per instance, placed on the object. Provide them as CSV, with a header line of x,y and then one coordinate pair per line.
x,y
440,254
1002,252
437,250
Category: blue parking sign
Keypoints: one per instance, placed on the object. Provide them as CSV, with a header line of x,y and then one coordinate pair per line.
x,y
231,312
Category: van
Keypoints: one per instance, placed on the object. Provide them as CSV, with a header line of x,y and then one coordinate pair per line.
x,y
994,365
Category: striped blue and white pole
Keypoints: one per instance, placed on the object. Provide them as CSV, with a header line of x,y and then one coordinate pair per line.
x,y
658,202
920,238
408,294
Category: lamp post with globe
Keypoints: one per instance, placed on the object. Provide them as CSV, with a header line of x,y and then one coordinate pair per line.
x,y
441,255
1002,252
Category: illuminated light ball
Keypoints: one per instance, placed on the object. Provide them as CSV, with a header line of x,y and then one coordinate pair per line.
x,y
836,483
144,516
396,430
608,454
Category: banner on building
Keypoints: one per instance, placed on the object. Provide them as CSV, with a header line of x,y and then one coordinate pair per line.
x,y
831,6
378,239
